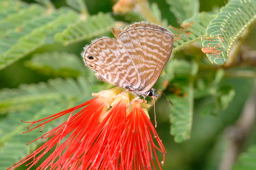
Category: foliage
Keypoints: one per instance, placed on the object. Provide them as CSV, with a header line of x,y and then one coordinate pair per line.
x,y
246,160
54,90
184,9
91,27
57,63
42,71
194,31
182,110
224,31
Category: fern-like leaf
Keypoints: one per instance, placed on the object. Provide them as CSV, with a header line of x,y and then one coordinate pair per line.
x,y
39,101
195,29
13,144
32,35
247,160
84,30
9,7
182,99
15,20
181,115
78,5
224,31
55,90
58,64
183,9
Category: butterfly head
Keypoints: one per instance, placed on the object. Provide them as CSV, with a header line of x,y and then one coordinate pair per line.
x,y
152,93
94,56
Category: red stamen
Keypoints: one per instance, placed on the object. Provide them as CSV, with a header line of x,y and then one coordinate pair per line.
x,y
121,140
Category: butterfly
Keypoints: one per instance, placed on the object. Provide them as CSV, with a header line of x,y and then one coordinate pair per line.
x,y
134,59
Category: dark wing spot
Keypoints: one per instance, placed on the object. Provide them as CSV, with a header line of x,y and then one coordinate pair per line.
x,y
90,57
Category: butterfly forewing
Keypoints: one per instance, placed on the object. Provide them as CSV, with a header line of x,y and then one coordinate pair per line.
x,y
109,59
134,60
149,46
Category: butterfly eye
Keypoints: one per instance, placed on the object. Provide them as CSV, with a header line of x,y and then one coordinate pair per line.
x,y
90,57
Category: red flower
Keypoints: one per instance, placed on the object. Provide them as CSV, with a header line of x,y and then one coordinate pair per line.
x,y
111,131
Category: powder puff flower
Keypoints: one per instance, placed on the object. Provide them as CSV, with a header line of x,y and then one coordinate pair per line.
x,y
110,131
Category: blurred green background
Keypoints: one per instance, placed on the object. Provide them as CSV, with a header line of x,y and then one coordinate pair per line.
x,y
206,115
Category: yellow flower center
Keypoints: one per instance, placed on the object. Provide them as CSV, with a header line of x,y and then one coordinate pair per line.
x,y
113,96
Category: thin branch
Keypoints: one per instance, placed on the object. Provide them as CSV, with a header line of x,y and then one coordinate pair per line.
x,y
238,134
241,73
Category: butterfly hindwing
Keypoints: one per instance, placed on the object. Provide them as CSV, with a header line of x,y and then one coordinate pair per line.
x,y
149,46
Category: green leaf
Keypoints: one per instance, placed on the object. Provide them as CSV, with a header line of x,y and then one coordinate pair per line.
x,y
83,30
194,31
225,94
46,3
247,160
182,99
55,90
58,64
9,7
15,21
181,114
34,102
157,13
207,83
34,34
212,95
13,144
131,17
79,5
224,31
217,101
183,9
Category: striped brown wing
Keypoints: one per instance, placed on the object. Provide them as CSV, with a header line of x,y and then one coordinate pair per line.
x,y
111,62
149,46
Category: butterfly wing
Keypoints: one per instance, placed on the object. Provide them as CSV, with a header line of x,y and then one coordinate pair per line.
x,y
111,62
149,47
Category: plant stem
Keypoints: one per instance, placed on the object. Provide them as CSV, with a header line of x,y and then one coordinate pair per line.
x,y
240,73
238,134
